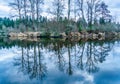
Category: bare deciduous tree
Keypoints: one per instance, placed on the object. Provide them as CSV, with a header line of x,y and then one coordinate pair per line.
x,y
69,8
38,7
57,10
17,6
91,6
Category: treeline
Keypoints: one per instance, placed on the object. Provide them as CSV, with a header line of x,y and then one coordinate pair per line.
x,y
63,15
6,22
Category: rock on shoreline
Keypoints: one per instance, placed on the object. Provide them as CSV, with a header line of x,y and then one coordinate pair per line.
x,y
81,35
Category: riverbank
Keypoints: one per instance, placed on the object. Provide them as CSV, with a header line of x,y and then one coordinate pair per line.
x,y
92,35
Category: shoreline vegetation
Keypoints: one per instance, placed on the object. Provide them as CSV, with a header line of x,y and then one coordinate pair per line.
x,y
83,19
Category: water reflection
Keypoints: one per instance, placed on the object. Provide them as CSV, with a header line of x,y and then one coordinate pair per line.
x,y
30,61
37,58
32,57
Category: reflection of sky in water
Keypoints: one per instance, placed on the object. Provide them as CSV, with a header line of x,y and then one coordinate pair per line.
x,y
109,72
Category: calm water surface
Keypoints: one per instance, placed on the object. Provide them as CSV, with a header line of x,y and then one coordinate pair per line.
x,y
59,62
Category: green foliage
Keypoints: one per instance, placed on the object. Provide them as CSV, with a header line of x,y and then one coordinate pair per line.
x,y
79,27
102,21
45,34
6,22
81,24
1,25
69,28
107,27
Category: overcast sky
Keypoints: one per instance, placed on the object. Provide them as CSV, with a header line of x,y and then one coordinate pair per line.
x,y
114,7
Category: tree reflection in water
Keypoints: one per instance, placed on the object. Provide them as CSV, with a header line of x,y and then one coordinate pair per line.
x,y
68,56
31,61
94,53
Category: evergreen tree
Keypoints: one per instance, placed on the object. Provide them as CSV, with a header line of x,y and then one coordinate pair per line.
x,y
104,13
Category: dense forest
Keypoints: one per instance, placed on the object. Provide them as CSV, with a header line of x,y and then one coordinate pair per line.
x,y
63,16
